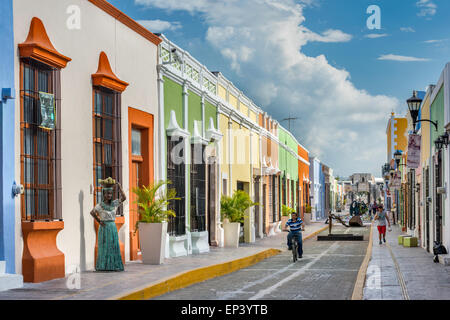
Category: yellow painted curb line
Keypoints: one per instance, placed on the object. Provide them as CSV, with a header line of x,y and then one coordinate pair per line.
x,y
358,290
315,233
188,278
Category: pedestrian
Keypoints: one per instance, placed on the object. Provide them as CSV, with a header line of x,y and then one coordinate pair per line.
x,y
382,218
373,210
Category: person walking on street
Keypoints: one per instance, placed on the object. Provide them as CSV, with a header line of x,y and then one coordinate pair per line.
x,y
382,218
373,209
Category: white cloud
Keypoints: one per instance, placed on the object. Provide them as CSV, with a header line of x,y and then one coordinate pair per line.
x,y
376,35
263,40
394,57
407,29
435,41
159,25
427,8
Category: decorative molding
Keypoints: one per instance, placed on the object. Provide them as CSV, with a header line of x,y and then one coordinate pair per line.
x,y
126,20
197,137
173,129
105,77
212,134
39,47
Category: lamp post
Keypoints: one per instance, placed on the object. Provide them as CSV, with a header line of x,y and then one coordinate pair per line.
x,y
414,106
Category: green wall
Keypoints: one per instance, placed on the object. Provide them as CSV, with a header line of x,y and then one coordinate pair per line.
x,y
173,100
195,111
210,112
437,114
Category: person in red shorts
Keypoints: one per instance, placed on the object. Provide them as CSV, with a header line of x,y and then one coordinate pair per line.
x,y
381,217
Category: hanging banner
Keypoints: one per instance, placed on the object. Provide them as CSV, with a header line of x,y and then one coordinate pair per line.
x,y
396,181
47,101
413,159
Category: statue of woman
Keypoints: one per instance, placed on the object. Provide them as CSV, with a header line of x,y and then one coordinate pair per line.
x,y
108,254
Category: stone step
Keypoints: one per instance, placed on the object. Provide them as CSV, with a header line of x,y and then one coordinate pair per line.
x,y
10,281
2,267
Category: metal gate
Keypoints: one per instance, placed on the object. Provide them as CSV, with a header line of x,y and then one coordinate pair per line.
x,y
176,174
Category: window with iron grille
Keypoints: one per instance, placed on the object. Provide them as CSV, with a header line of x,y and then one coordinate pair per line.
x,y
198,185
40,148
292,194
275,198
271,199
107,139
176,175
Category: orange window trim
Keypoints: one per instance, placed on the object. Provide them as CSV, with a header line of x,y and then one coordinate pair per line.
x,y
105,77
39,47
126,20
145,121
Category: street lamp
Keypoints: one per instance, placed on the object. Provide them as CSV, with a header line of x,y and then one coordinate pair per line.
x,y
439,142
445,139
414,106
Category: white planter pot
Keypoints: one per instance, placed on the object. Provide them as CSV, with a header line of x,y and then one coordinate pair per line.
x,y
277,227
231,234
307,217
178,246
200,242
152,237
272,229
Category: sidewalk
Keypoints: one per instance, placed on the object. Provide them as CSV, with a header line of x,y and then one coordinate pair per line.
x,y
106,285
399,273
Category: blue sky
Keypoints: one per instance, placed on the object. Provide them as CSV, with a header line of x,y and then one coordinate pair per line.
x,y
326,71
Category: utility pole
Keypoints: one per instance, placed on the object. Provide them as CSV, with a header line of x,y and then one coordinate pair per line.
x,y
289,119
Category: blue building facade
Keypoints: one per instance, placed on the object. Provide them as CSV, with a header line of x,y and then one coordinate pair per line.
x,y
7,207
317,182
321,214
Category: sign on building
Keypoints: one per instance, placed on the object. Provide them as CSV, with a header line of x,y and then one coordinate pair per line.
x,y
414,142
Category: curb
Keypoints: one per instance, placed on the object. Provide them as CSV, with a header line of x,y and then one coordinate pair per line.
x,y
188,278
358,290
315,233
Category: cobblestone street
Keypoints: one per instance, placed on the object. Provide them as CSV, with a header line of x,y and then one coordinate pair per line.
x,y
328,270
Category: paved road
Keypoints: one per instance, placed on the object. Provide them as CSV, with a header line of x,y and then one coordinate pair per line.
x,y
328,270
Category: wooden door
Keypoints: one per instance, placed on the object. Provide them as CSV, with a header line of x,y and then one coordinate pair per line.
x,y
141,167
136,177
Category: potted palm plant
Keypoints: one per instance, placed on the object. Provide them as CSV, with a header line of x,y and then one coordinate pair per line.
x,y
285,214
153,214
233,210
308,213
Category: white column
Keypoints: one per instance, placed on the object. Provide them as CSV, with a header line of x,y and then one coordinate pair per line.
x,y
161,155
187,157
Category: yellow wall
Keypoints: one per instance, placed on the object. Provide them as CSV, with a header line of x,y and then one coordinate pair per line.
x,y
233,100
400,129
222,92
244,109
255,151
253,116
241,155
425,131
389,137
223,127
